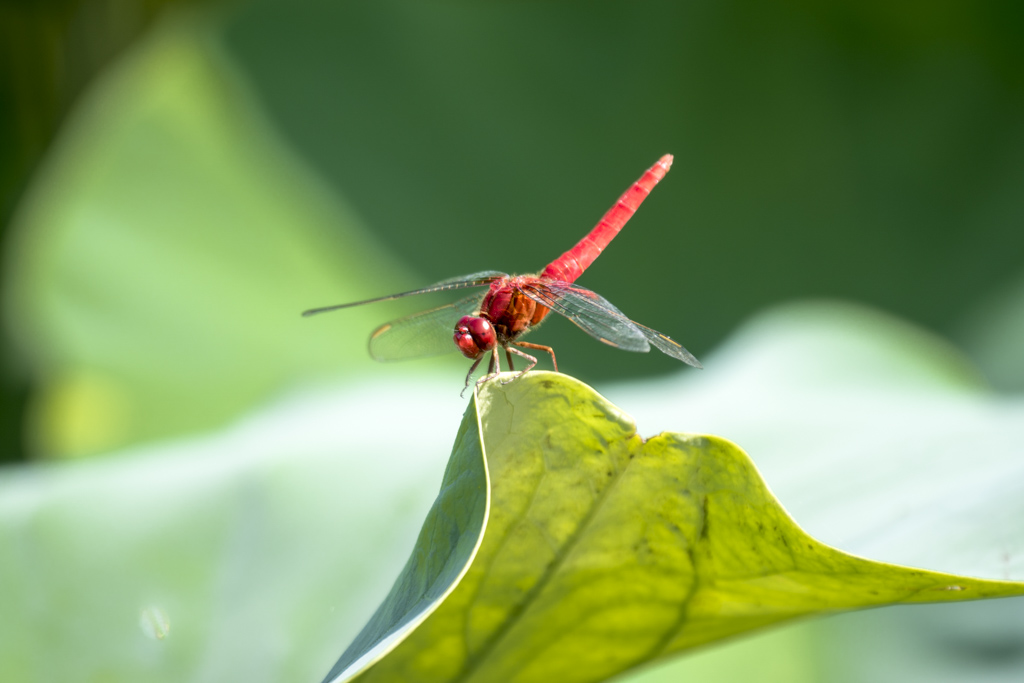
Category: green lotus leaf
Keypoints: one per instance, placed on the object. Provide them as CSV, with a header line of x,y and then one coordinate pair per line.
x,y
601,551
171,241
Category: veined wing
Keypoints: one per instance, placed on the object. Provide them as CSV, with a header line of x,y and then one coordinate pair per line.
x,y
485,276
668,346
590,312
427,333
598,318
481,279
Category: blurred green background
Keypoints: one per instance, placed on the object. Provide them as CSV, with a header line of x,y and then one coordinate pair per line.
x,y
178,180
855,150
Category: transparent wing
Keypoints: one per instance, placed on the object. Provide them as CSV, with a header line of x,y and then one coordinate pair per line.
x,y
486,276
427,333
590,312
600,319
668,346
481,279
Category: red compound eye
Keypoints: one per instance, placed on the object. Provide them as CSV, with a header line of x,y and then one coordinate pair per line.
x,y
474,336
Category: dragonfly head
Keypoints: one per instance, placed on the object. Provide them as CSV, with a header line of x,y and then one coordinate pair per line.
x,y
474,336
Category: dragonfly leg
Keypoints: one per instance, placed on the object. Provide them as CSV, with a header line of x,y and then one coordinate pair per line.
x,y
469,374
530,360
508,357
493,368
539,347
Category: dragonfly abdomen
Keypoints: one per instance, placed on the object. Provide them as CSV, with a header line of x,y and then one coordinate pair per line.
x,y
572,263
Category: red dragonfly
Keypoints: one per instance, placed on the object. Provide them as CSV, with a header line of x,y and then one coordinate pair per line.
x,y
515,304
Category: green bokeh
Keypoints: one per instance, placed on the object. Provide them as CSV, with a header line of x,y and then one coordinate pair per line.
x,y
171,241
857,150
854,151
860,150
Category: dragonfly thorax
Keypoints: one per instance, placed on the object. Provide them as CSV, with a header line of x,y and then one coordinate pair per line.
x,y
474,336
511,311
